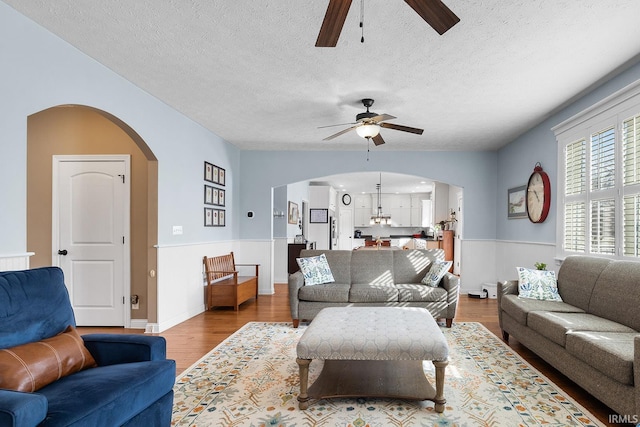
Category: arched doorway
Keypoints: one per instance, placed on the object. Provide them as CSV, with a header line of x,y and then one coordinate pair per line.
x,y
82,130
443,200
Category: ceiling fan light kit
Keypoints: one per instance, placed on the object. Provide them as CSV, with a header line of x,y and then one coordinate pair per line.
x,y
368,124
368,130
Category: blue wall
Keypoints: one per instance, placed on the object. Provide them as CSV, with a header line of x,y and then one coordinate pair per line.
x,y
516,162
40,71
475,172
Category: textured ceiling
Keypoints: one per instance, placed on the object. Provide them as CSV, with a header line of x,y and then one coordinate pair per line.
x,y
249,71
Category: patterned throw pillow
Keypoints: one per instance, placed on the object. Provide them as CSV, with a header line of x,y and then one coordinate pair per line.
x,y
438,269
537,284
315,270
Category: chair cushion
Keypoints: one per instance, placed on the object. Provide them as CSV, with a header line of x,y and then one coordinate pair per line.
x,y
108,395
519,308
609,352
555,326
29,367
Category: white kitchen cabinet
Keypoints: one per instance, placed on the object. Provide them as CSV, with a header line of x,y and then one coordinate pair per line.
x,y
400,217
322,197
362,210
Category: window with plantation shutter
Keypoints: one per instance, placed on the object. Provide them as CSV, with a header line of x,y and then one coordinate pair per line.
x,y
631,227
574,227
575,160
603,160
599,179
631,159
603,227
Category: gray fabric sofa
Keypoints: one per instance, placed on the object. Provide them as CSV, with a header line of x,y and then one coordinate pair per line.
x,y
592,335
375,278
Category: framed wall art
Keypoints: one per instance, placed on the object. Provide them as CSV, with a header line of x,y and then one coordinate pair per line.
x,y
293,214
208,172
318,216
516,205
208,217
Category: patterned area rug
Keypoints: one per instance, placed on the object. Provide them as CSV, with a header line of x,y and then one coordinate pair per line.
x,y
251,379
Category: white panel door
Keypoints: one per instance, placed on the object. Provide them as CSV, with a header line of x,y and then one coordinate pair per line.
x,y
345,229
92,240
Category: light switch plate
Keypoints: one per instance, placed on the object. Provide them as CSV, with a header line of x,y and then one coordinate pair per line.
x,y
177,229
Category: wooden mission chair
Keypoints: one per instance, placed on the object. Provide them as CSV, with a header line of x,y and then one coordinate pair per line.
x,y
224,286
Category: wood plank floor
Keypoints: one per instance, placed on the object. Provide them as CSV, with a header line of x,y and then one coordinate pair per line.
x,y
192,339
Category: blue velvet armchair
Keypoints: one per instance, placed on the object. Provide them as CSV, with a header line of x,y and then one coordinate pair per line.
x,y
132,384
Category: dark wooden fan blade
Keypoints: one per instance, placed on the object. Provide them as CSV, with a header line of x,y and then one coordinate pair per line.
x,y
335,135
436,13
333,23
402,128
378,139
382,117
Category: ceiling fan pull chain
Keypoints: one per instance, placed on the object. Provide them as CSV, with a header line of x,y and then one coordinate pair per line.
x,y
368,144
362,21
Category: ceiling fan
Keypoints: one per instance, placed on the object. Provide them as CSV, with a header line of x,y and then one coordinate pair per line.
x,y
368,125
435,12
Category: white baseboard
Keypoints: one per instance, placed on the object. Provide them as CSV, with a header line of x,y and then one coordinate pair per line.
x,y
138,324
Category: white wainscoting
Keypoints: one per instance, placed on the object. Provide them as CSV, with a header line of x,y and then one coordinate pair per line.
x,y
12,262
181,284
477,264
280,260
490,261
510,255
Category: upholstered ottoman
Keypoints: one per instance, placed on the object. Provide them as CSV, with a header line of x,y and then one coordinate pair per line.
x,y
373,352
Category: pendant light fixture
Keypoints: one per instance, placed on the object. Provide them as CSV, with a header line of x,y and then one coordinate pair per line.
x,y
379,218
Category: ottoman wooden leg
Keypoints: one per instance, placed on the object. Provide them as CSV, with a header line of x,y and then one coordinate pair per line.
x,y
439,400
303,398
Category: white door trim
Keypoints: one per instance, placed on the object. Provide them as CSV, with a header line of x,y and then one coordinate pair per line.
x,y
57,159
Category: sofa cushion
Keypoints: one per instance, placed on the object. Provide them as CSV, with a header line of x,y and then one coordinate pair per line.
x,y
339,263
410,266
315,270
372,267
437,271
29,367
329,292
555,326
616,294
609,352
362,292
577,277
519,308
419,292
108,395
537,284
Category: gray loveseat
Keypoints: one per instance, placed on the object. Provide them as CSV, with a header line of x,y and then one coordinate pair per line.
x,y
375,278
592,335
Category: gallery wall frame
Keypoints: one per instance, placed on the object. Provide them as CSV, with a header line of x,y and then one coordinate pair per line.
x,y
214,217
215,174
214,196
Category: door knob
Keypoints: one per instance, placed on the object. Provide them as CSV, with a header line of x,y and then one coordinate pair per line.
x,y
63,252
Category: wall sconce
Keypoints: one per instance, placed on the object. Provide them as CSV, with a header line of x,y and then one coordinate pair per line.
x,y
278,214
